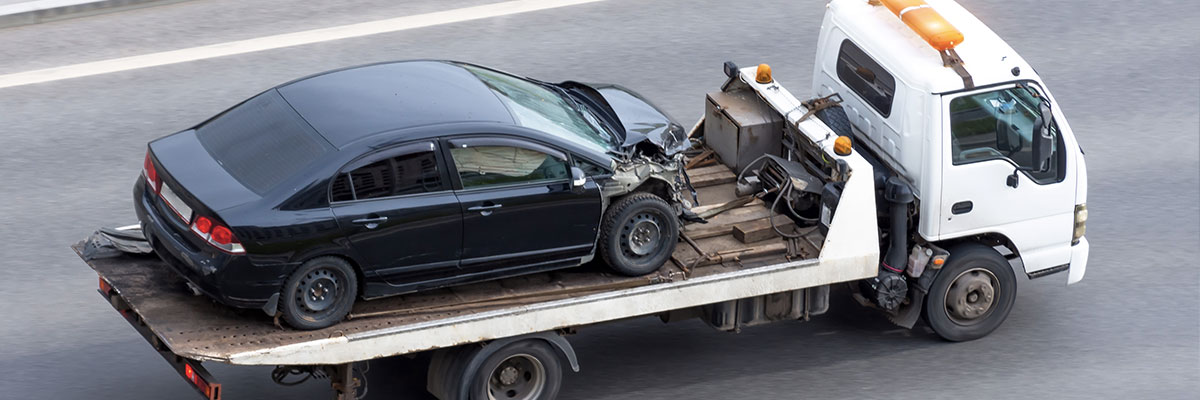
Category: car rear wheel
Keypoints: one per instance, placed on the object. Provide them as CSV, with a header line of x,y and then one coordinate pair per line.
x,y
638,234
319,294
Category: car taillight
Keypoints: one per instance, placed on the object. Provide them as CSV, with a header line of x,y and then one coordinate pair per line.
x,y
203,225
222,235
217,235
150,173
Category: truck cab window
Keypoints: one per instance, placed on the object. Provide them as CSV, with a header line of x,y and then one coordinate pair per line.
x,y
866,78
494,165
404,174
1000,125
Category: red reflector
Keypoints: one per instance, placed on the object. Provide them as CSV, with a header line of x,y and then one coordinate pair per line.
x,y
104,286
203,224
222,235
196,380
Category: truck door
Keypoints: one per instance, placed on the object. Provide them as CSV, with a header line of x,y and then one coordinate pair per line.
x,y
990,182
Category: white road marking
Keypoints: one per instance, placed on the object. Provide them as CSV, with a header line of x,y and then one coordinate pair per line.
x,y
282,40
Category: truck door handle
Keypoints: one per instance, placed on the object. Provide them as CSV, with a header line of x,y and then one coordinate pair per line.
x,y
485,210
962,207
371,223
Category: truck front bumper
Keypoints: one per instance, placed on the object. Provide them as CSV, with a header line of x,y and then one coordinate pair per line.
x,y
1079,259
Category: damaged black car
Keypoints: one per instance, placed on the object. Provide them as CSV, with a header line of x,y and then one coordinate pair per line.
x,y
397,177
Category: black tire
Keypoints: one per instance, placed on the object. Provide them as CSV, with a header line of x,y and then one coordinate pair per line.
x,y
638,234
524,370
972,295
835,117
305,300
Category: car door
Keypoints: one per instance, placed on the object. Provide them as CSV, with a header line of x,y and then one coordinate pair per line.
x,y
399,214
519,206
990,132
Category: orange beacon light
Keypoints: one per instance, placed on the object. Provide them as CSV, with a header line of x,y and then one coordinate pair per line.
x,y
926,22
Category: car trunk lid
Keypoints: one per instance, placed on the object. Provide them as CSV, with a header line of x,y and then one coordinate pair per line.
x,y
192,180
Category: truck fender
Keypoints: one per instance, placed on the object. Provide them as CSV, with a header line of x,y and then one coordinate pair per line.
x,y
469,358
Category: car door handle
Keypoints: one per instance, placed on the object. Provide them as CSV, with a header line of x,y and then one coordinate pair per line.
x,y
371,223
962,207
485,210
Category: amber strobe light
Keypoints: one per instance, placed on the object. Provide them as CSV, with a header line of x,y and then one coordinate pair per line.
x,y
763,74
926,22
841,145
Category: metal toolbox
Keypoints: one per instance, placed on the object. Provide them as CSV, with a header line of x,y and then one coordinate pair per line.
x,y
740,127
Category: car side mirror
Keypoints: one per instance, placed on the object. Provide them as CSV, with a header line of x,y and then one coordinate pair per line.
x,y
1043,139
578,178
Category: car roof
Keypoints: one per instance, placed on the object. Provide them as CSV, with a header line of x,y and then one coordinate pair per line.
x,y
349,104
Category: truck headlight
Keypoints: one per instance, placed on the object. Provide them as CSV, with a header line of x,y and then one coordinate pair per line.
x,y
1080,222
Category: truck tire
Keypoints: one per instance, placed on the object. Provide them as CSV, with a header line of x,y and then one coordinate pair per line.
x,y
835,117
524,370
972,295
638,234
319,293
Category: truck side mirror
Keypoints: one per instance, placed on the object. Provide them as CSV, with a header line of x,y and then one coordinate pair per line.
x,y
578,178
1043,139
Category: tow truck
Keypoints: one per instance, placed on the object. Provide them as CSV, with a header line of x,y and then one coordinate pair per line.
x,y
928,164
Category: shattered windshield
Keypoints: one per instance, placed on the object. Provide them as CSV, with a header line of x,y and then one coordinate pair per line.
x,y
537,107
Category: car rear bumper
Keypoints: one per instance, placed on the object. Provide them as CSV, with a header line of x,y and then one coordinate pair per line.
x,y
233,280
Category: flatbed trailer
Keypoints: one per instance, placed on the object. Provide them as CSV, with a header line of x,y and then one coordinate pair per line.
x,y
725,272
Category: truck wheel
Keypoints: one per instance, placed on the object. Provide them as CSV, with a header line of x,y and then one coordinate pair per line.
x,y
524,370
835,117
319,294
972,295
638,234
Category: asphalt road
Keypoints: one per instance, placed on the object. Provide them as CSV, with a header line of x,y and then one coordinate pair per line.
x,y
1125,73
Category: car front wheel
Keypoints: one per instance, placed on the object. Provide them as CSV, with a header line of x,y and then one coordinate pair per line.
x,y
319,294
638,234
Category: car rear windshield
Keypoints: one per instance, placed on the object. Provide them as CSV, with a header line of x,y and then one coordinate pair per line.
x,y
262,142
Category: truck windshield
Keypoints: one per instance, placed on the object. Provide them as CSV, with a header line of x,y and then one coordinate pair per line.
x,y
537,107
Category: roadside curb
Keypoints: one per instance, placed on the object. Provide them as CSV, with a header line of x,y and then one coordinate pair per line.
x,y
39,11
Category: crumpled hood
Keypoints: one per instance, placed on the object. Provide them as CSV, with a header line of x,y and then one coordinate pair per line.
x,y
643,121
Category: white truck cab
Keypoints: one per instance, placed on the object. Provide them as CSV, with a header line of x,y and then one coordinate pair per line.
x,y
945,104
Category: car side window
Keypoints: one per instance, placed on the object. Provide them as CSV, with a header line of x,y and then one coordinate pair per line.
x,y
866,78
589,169
1000,124
410,172
495,164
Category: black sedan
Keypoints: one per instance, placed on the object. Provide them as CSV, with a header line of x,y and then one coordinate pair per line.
x,y
397,177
